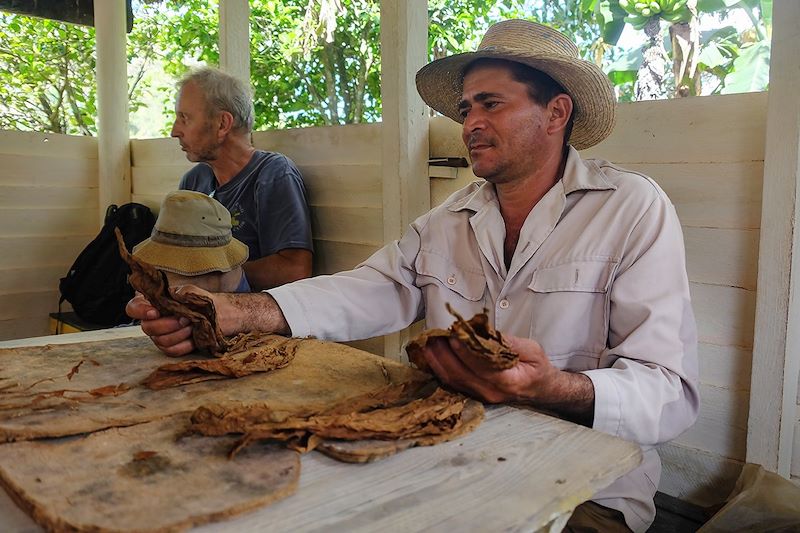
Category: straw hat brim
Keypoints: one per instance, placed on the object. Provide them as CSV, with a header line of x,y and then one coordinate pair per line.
x,y
192,261
440,85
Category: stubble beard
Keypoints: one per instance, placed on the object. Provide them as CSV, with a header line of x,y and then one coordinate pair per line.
x,y
207,153
497,173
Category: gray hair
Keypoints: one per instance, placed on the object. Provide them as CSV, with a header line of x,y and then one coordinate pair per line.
x,y
224,92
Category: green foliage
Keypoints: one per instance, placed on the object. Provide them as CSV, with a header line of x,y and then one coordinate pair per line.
x,y
624,69
750,70
317,62
738,61
728,61
47,68
609,16
168,38
44,69
306,72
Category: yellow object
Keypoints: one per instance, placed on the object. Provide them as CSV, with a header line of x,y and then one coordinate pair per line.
x,y
68,323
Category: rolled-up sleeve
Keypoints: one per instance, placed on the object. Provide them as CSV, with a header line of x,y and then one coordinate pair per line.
x,y
646,386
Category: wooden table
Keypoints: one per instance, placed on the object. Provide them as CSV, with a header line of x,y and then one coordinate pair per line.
x,y
519,470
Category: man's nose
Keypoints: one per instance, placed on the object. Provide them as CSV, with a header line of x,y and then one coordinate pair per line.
x,y
174,132
473,122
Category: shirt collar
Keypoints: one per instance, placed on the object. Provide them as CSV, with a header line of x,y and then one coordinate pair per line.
x,y
584,175
579,175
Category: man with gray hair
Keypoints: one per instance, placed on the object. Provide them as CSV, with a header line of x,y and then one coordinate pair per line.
x,y
263,191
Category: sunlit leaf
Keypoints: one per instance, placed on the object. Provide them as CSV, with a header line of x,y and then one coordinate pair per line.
x,y
750,70
766,12
710,6
711,56
630,61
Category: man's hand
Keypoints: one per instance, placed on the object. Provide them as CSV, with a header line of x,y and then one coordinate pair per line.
x,y
171,334
533,380
235,313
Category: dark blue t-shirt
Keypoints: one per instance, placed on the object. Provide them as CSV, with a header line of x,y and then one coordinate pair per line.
x,y
267,202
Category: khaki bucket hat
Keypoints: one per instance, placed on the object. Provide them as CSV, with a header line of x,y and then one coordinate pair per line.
x,y
192,236
440,82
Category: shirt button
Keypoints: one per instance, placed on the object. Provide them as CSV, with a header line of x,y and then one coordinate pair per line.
x,y
504,304
451,280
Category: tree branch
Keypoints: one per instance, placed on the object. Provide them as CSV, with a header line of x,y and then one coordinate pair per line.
x,y
330,82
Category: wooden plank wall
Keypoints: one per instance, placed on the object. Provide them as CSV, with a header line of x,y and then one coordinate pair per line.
x,y
708,155
341,167
48,213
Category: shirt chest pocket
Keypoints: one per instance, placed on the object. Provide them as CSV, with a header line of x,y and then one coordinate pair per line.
x,y
443,281
571,307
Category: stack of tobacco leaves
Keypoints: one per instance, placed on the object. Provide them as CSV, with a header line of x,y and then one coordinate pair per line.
x,y
386,414
476,333
239,356
258,354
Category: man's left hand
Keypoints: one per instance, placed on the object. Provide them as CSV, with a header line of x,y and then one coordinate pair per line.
x,y
533,380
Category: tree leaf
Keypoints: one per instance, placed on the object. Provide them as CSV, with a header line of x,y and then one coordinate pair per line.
x,y
710,6
750,70
624,69
766,12
711,56
611,18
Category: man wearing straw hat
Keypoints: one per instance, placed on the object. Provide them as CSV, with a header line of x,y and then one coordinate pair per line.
x,y
263,191
192,243
580,263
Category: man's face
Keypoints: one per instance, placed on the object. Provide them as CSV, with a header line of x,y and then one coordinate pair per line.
x,y
503,127
193,128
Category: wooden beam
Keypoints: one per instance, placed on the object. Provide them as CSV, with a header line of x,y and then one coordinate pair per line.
x,y
776,349
406,188
113,149
74,11
234,38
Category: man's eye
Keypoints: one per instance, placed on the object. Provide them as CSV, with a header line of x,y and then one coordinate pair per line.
x,y
490,104
463,112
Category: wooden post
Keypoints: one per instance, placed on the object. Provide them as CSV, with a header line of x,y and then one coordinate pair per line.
x,y
406,188
776,347
113,143
234,38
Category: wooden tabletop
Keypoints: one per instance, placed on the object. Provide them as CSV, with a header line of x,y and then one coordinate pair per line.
x,y
519,470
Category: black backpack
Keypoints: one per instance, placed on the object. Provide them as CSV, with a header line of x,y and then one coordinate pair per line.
x,y
97,282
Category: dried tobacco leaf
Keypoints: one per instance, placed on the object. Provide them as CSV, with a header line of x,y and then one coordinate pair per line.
x,y
250,357
377,416
110,390
244,354
486,342
153,283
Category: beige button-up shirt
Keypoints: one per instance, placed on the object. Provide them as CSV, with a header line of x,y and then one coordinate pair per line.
x,y
598,279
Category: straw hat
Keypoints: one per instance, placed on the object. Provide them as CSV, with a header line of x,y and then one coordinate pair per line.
x,y
440,82
192,236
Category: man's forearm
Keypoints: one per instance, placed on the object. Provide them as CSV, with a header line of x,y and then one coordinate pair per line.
x,y
570,395
277,269
250,312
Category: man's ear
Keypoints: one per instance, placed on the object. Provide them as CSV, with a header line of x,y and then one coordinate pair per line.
x,y
560,108
225,123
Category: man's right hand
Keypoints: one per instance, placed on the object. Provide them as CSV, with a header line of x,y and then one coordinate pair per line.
x,y
235,313
172,335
